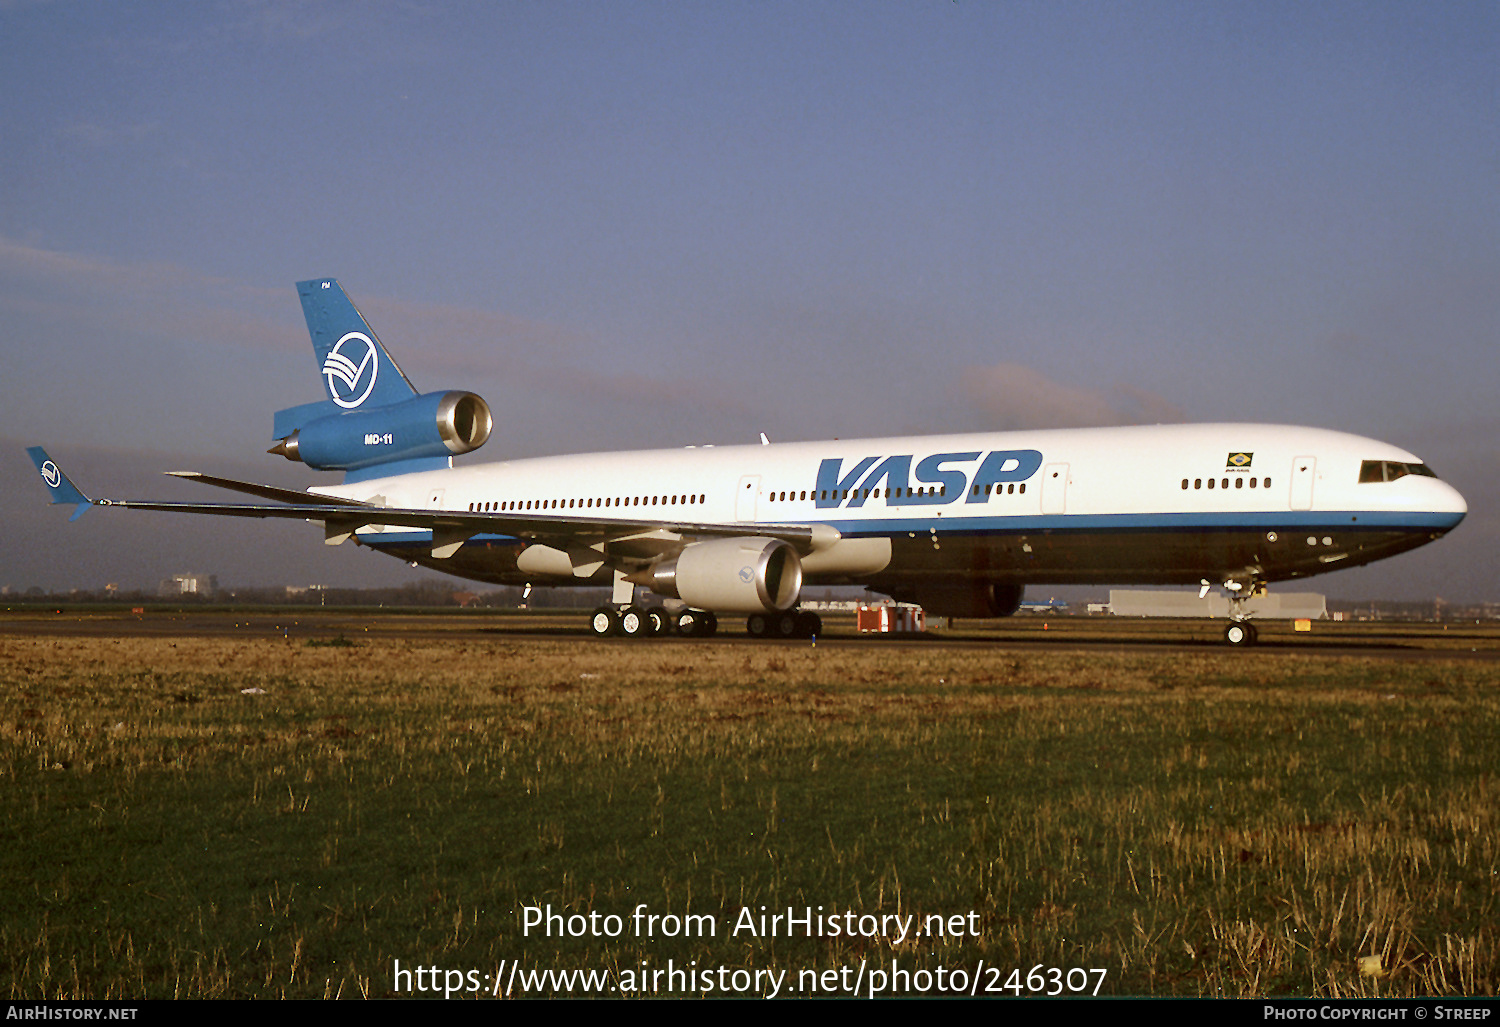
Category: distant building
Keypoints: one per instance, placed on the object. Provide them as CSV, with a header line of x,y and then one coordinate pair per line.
x,y
1127,602
188,585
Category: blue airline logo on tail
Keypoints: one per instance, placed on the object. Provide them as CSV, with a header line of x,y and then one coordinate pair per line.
x,y
937,483
51,475
341,367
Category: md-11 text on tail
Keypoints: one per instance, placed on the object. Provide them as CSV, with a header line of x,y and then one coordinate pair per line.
x,y
959,524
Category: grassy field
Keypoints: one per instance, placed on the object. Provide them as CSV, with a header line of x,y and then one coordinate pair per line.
x,y
204,818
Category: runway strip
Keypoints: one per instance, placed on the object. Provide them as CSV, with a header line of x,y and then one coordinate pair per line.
x,y
1381,640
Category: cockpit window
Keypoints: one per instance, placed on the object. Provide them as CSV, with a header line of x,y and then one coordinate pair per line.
x,y
1390,470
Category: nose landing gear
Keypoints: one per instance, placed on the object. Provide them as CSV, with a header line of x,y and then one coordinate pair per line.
x,y
1240,633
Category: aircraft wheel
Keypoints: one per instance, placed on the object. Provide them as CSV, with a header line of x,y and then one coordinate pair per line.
x,y
757,626
635,622
809,624
604,622
696,623
1240,634
661,620
787,624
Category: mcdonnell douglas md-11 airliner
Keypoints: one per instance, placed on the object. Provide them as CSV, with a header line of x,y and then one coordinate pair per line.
x,y
959,524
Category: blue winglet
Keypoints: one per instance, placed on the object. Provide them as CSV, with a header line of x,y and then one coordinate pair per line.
x,y
62,490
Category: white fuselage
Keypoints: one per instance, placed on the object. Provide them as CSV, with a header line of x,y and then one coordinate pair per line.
x,y
1150,504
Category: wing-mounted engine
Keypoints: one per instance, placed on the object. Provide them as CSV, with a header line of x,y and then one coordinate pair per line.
x,y
731,575
435,425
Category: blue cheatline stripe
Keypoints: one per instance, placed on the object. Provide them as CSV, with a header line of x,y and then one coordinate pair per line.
x,y
1218,522
951,527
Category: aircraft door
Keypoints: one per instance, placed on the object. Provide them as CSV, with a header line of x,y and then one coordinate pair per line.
x,y
747,496
1055,489
1304,471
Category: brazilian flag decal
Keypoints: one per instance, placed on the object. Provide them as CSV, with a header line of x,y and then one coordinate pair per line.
x,y
1238,460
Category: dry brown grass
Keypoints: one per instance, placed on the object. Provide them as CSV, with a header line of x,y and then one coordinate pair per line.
x,y
1217,824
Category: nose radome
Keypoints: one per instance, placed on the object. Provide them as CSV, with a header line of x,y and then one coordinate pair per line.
x,y
1450,501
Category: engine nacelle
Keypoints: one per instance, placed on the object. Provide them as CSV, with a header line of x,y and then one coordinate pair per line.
x,y
732,575
437,424
977,599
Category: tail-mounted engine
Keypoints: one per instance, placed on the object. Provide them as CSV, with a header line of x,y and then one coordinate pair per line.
x,y
438,424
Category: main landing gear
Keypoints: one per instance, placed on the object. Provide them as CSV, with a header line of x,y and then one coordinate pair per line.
x,y
636,621
791,624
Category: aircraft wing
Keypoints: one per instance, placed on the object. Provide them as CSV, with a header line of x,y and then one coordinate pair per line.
x,y
450,528
630,542
263,491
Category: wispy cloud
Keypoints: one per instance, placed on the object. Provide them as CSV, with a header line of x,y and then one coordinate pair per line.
x,y
544,356
1013,396
98,296
441,345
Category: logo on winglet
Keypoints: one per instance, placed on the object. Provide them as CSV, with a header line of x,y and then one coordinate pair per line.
x,y
51,475
344,375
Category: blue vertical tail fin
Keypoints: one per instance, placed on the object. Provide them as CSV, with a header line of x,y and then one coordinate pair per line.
x,y
357,371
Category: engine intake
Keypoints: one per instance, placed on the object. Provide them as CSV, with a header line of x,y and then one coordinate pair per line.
x,y
732,575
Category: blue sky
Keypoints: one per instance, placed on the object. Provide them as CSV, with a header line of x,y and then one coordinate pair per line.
x,y
631,225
